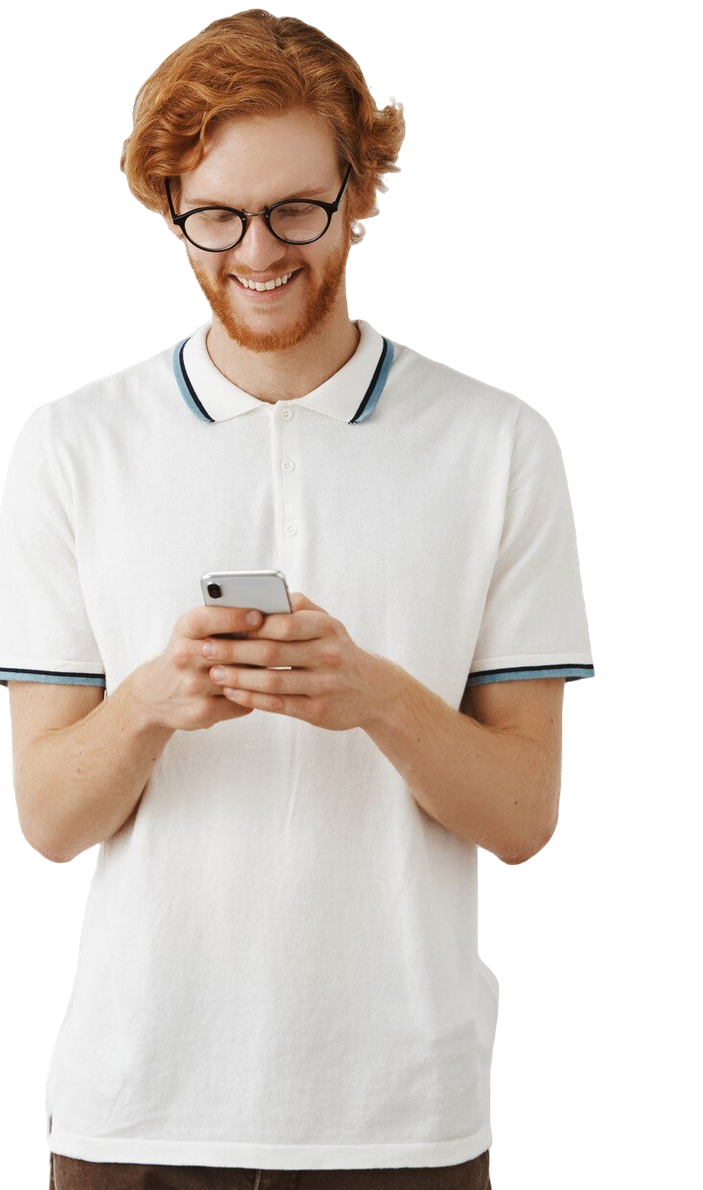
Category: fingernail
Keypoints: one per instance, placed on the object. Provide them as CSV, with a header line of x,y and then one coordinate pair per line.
x,y
253,618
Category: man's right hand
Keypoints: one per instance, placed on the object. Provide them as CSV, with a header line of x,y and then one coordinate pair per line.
x,y
176,685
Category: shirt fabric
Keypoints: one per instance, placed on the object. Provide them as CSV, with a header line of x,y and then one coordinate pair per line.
x,y
278,966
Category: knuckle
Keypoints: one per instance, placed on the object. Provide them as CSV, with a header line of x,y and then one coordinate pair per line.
x,y
269,652
315,710
190,621
181,655
329,653
199,710
192,685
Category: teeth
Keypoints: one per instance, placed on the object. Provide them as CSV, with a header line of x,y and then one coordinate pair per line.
x,y
274,284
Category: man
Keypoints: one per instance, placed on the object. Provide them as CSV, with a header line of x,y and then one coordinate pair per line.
x,y
279,981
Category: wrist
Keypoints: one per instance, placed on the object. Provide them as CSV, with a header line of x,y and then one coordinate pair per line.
x,y
141,688
385,687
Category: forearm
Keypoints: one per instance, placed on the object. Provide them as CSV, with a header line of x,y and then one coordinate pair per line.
x,y
482,784
79,784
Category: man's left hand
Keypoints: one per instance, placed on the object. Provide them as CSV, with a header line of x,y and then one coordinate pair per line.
x,y
332,683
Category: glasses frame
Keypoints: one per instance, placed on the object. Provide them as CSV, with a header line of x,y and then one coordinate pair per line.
x,y
328,207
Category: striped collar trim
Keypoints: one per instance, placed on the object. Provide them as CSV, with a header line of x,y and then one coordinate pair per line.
x,y
350,395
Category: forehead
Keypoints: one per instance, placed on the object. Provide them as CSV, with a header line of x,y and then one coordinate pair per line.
x,y
254,161
220,195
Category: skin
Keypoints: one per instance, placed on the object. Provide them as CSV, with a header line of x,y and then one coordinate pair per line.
x,y
496,782
282,350
287,348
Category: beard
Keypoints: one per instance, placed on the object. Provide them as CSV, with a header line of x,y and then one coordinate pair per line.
x,y
310,308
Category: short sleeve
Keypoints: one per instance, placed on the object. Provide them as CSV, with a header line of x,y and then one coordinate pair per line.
x,y
45,634
534,620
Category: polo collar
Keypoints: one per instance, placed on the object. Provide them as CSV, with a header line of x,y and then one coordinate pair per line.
x,y
350,395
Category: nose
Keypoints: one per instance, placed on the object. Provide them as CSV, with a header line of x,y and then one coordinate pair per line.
x,y
258,248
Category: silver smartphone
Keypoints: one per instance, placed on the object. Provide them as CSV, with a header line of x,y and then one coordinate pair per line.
x,y
266,590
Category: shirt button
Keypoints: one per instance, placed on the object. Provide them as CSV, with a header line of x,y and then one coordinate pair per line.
x,y
291,528
286,413
287,465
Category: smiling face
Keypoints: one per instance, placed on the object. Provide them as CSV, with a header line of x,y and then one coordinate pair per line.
x,y
252,162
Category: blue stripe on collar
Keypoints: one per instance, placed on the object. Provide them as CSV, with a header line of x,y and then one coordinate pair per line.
x,y
365,409
377,384
187,391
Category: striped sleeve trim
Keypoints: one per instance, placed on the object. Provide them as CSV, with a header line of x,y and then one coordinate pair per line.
x,y
67,678
518,672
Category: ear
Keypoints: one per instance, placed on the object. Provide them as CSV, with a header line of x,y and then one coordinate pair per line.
x,y
172,227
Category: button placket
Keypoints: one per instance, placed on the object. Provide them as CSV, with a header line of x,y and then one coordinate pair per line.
x,y
285,477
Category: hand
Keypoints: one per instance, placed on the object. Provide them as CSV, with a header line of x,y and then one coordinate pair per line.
x,y
176,687
332,683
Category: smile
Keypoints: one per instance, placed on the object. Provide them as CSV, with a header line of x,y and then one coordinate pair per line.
x,y
269,290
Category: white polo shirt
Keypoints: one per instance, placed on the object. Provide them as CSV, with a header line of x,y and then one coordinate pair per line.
x,y
278,965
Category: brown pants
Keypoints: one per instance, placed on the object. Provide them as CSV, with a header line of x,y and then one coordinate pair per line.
x,y
69,1173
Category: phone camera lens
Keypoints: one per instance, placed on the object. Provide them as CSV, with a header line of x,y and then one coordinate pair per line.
x,y
215,590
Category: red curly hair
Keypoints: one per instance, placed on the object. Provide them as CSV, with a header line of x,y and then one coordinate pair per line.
x,y
255,63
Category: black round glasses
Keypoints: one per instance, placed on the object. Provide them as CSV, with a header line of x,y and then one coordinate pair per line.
x,y
293,221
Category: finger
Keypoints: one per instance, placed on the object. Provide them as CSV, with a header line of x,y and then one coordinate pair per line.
x,y
266,681
299,706
253,700
301,602
231,708
261,653
301,625
199,622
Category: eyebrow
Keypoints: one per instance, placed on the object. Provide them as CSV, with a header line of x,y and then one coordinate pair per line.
x,y
216,202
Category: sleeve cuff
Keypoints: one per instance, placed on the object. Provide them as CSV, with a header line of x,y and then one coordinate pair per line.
x,y
64,677
512,673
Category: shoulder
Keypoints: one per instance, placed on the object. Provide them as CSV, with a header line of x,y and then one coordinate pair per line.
x,y
122,407
460,391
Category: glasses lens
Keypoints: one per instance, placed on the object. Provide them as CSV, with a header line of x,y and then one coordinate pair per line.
x,y
214,228
298,221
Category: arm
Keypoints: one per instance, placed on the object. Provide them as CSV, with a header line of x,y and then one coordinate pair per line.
x,y
494,783
77,785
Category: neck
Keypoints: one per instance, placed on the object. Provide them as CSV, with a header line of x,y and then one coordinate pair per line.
x,y
291,372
